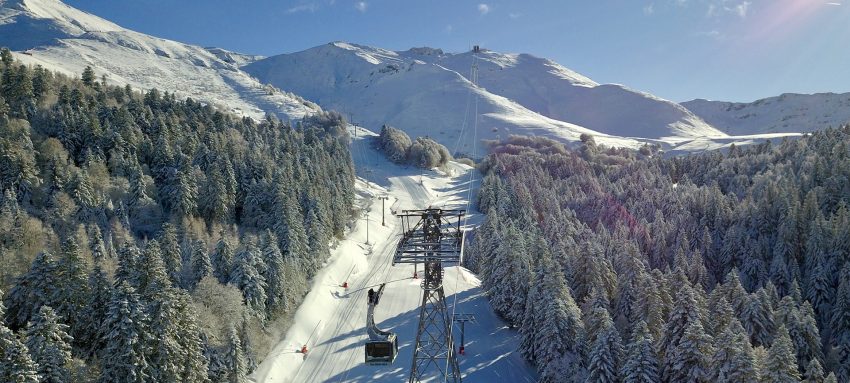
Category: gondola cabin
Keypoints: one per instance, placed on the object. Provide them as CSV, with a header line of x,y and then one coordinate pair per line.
x,y
382,352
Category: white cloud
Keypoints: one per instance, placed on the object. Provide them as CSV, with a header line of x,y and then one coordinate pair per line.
x,y
514,15
649,9
741,9
448,29
361,6
310,7
712,33
483,9
836,4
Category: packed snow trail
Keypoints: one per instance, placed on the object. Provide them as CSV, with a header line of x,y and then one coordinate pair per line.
x,y
338,315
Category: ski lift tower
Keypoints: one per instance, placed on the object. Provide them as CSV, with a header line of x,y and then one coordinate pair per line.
x,y
432,237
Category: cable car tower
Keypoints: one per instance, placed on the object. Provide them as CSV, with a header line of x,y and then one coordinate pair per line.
x,y
432,237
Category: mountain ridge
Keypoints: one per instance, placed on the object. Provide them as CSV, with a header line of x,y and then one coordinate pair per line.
x,y
60,37
788,112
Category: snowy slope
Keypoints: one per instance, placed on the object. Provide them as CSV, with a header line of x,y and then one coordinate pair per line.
x,y
786,113
336,317
62,38
425,91
554,91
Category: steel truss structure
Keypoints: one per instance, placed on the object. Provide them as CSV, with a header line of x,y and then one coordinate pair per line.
x,y
432,237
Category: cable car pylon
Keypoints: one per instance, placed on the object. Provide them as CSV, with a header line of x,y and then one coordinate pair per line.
x,y
433,238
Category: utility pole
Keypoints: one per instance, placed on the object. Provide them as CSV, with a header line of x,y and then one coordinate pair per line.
x,y
383,209
462,319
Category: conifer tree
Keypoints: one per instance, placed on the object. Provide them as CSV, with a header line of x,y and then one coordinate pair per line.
x,y
201,265
814,372
606,356
273,259
780,366
689,360
560,340
733,359
170,249
237,369
152,276
682,316
50,346
17,366
32,290
222,260
641,364
95,310
252,284
127,339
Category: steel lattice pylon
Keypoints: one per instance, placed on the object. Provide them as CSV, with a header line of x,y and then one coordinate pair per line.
x,y
433,239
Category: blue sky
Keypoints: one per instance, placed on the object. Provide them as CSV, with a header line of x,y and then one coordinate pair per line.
x,y
731,50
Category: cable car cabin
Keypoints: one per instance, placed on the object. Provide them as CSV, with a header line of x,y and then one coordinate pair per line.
x,y
382,352
382,346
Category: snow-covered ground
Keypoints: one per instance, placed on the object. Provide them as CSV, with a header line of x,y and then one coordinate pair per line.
x,y
331,320
64,39
789,112
427,92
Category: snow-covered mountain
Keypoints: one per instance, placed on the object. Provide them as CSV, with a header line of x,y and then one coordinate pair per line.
x,y
425,91
790,112
62,38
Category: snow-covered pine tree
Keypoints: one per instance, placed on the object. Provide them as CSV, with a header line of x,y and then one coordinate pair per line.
x,y
689,360
733,360
318,236
273,258
237,369
596,316
194,364
50,346
247,349
127,339
201,264
641,364
17,366
757,319
780,365
840,326
252,284
290,231
73,287
222,259
606,356
96,244
165,353
170,249
804,333
508,282
35,288
128,269
153,276
648,306
560,339
533,310
95,310
814,372
684,313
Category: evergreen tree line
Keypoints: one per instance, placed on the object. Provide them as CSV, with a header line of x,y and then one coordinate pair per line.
x,y
149,239
624,266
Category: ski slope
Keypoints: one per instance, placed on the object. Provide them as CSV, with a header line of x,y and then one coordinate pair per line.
x,y
331,320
